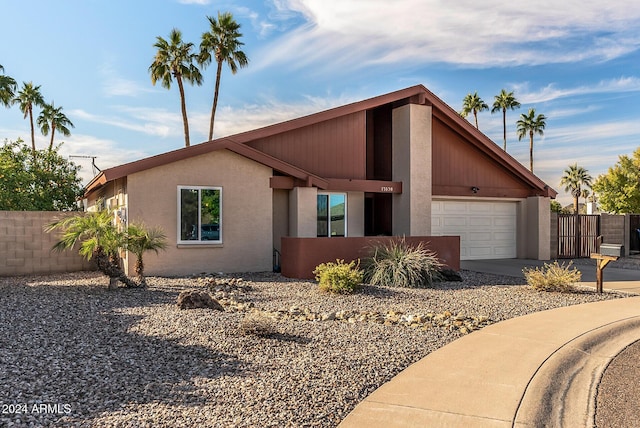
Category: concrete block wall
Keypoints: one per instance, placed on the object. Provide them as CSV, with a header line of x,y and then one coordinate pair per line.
x,y
25,248
612,228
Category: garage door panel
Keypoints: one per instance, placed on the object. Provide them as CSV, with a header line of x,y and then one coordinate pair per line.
x,y
487,229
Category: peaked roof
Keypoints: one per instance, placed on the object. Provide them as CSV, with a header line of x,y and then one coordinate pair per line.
x,y
416,95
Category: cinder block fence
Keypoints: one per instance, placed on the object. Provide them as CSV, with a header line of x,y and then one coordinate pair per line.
x,y
25,248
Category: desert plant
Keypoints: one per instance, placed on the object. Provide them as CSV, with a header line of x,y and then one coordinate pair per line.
x,y
399,264
552,277
140,240
258,324
339,277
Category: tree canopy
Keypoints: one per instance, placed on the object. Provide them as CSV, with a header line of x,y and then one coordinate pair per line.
x,y
37,181
619,189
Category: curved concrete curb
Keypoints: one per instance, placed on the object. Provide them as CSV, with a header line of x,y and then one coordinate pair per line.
x,y
563,391
520,372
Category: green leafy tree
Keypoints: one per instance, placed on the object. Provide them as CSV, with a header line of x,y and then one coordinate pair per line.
x,y
28,97
222,45
573,180
175,60
52,118
141,240
556,207
619,189
473,104
503,101
44,181
8,87
530,124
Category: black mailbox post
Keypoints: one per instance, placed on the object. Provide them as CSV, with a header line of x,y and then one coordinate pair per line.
x,y
608,253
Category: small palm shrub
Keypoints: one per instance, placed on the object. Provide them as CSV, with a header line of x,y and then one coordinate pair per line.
x,y
257,324
399,264
339,277
552,277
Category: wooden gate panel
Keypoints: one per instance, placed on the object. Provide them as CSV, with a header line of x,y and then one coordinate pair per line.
x,y
577,235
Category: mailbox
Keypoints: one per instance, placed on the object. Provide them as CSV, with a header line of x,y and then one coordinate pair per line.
x,y
613,250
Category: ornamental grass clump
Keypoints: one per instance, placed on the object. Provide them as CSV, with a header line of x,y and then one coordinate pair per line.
x,y
399,264
339,277
552,277
257,324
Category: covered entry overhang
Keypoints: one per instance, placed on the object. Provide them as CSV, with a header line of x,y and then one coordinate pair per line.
x,y
338,184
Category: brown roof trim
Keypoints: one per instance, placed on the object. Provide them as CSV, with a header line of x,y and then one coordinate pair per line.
x,y
199,149
415,94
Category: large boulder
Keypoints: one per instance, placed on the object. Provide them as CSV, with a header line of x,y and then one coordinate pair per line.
x,y
194,299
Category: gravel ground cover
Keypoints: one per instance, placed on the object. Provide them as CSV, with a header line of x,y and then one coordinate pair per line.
x,y
74,354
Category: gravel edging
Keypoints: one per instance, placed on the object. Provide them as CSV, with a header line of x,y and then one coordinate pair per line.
x,y
75,354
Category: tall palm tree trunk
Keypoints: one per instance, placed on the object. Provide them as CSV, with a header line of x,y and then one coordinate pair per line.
x,y
33,136
53,131
215,99
504,128
475,115
531,151
183,106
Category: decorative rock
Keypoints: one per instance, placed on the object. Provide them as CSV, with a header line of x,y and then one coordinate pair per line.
x,y
193,299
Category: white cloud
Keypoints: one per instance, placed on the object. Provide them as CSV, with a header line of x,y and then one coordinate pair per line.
x,y
489,33
149,121
552,92
114,84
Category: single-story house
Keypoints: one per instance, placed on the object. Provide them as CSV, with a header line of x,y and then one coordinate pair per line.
x,y
400,164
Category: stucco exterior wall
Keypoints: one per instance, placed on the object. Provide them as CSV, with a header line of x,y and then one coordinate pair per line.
x,y
537,231
247,214
411,147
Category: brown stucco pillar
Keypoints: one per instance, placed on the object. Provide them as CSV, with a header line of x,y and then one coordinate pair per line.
x,y
411,157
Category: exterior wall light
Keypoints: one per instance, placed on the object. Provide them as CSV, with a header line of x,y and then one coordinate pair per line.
x,y
475,189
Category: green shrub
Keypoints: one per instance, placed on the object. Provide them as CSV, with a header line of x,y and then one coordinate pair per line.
x,y
399,264
339,277
552,277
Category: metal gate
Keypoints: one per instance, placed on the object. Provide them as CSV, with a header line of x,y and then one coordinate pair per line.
x,y
634,228
577,235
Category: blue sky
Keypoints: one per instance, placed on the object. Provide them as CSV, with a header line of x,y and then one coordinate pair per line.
x,y
576,61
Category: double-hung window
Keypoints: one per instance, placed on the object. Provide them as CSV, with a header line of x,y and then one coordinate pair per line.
x,y
199,214
332,214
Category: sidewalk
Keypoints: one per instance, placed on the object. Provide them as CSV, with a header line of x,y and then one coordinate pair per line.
x,y
542,369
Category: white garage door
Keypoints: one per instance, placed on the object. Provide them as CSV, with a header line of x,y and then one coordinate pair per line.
x,y
487,230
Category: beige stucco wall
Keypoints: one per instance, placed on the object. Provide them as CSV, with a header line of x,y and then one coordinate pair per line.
x,y
355,214
303,215
412,157
246,214
534,228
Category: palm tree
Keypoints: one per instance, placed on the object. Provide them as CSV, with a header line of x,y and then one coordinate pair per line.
x,y
7,88
98,238
531,124
51,119
585,193
473,103
222,45
140,240
174,59
503,101
573,179
28,97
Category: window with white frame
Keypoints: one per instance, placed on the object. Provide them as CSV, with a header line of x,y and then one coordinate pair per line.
x,y
332,214
199,214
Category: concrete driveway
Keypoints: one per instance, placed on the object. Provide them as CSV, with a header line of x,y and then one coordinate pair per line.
x,y
615,278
